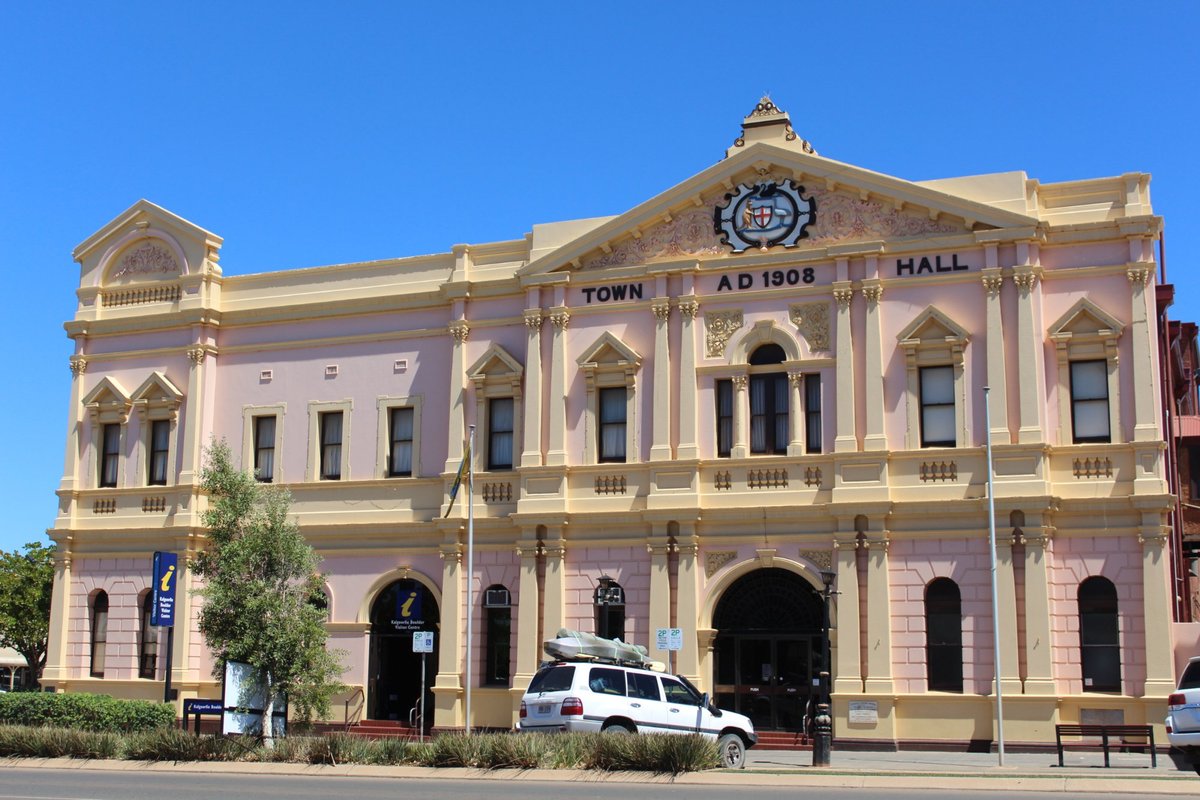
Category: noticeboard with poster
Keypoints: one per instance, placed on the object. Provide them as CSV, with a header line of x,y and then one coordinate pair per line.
x,y
244,700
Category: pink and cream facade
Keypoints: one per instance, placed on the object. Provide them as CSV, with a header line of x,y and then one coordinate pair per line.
x,y
684,415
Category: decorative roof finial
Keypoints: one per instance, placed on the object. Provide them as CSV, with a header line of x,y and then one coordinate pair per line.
x,y
769,123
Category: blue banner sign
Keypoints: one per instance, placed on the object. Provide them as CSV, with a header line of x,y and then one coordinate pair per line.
x,y
408,614
166,574
198,706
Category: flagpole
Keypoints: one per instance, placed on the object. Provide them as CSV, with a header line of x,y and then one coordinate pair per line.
x,y
470,564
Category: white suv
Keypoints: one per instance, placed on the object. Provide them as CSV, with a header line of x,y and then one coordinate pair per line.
x,y
1183,713
612,698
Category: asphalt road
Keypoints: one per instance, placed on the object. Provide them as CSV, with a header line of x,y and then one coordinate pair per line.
x,y
42,784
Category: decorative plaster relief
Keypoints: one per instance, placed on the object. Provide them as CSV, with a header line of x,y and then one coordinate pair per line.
x,y
812,320
844,217
821,559
147,258
714,561
720,326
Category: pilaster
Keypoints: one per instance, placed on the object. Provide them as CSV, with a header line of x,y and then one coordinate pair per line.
x,y
447,686
796,416
556,454
741,404
1029,359
1156,609
1006,665
659,548
455,429
879,629
846,441
687,602
1039,662
554,603
847,656
531,451
70,477
529,642
1141,339
193,428
875,438
55,670
687,448
660,448
996,376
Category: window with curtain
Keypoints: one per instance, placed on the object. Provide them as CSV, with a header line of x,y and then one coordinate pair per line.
x,y
1099,636
612,424
99,633
812,413
937,407
724,418
500,433
331,445
400,450
110,454
160,440
943,636
498,608
768,403
264,449
148,640
1089,401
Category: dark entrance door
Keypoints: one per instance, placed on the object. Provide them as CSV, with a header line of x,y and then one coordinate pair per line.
x,y
768,648
394,686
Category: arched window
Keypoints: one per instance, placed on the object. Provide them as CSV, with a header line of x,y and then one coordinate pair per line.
x,y
99,633
943,636
610,609
498,606
1099,636
148,640
769,431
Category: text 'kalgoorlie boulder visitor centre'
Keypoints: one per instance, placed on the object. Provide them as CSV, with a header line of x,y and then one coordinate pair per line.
x,y
757,391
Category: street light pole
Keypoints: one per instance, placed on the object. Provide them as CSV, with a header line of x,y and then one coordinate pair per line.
x,y
823,722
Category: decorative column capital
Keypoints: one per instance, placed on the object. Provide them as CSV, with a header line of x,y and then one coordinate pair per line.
x,y
661,308
560,317
660,549
689,308
459,330
873,292
846,542
451,553
556,550
528,549
197,355
533,319
1154,536
1025,281
740,382
992,284
78,365
843,294
881,545
1138,276
796,379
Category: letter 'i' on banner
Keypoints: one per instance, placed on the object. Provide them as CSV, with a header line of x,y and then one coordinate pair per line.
x,y
166,568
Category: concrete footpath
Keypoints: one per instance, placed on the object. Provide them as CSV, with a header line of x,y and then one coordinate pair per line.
x,y
916,770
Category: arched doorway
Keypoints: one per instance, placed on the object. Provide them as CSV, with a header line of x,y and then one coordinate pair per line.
x,y
394,685
768,648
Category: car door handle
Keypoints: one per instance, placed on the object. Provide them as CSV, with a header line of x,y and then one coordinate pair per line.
x,y
636,705
674,710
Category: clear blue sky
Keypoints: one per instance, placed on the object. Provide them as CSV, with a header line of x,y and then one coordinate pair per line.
x,y
308,133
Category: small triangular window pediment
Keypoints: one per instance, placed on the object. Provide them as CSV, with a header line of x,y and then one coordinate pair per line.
x,y
157,391
1085,318
108,392
932,327
609,351
495,363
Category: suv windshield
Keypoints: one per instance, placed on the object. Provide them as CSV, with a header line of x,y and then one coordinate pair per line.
x,y
1191,677
557,678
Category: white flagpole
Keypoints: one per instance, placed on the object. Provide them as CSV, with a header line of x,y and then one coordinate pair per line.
x,y
470,564
991,492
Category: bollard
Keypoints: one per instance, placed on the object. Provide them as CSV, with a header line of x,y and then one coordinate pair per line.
x,y
822,736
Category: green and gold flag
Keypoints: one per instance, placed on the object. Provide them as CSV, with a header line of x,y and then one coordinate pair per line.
x,y
459,478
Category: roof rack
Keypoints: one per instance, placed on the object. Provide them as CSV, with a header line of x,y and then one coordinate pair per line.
x,y
575,646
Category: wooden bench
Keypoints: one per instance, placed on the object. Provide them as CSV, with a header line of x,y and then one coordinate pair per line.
x,y
1104,732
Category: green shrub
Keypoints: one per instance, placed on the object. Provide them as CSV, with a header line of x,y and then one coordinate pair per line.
x,y
511,751
653,753
392,751
92,712
28,742
339,748
176,745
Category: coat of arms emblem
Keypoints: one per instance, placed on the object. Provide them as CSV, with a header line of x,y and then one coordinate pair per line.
x,y
764,214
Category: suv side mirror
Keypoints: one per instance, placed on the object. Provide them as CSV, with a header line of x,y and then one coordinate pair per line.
x,y
711,706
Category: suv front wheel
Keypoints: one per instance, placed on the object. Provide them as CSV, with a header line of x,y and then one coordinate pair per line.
x,y
733,751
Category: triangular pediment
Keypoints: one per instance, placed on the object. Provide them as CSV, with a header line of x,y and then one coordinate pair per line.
x,y
932,326
107,393
851,205
495,363
1085,318
157,390
608,350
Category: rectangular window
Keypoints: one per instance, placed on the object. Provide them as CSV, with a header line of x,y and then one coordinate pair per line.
x,y
148,652
499,635
1089,401
500,433
99,634
812,413
612,424
264,449
769,414
937,407
400,451
160,438
110,455
724,418
331,445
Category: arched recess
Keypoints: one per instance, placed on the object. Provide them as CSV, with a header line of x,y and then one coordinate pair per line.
x,y
400,604
763,665
387,579
764,332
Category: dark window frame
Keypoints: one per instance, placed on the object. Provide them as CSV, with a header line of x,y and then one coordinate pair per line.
x,y
1077,401
395,441
98,635
261,448
812,413
931,406
1099,635
603,425
159,449
723,392
776,423
496,434
147,640
610,616
330,462
110,455
943,636
497,649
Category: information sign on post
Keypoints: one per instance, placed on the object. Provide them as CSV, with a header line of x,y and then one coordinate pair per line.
x,y
422,643
162,611
668,638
